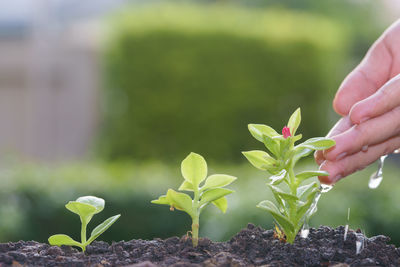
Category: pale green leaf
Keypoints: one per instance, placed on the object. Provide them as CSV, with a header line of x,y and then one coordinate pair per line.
x,y
101,228
221,204
60,239
303,190
283,222
85,211
317,143
308,174
297,137
278,178
180,201
300,153
162,200
214,194
218,180
96,202
283,195
258,130
294,121
260,159
186,186
272,145
194,169
304,208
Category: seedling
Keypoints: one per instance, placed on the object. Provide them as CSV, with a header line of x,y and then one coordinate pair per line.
x,y
85,207
194,171
294,201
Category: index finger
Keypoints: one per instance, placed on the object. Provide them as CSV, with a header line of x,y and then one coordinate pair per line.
x,y
341,126
373,72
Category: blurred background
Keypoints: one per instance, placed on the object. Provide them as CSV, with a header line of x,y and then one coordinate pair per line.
x,y
106,97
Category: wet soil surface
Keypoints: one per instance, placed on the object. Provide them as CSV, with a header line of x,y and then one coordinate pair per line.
x,y
252,246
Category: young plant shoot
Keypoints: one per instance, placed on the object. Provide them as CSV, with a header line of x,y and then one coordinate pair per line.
x,y
85,207
194,172
294,201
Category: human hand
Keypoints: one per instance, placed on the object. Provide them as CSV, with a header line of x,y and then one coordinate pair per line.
x,y
369,100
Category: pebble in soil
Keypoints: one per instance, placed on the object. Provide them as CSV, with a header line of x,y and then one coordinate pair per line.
x,y
252,246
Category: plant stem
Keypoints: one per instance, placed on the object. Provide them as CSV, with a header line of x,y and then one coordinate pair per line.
x,y
195,231
83,235
195,218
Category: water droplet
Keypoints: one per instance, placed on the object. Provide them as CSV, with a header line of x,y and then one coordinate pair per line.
x,y
359,242
377,177
346,229
326,188
305,230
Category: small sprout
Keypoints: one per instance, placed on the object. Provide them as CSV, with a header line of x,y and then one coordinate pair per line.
x,y
194,171
85,207
294,201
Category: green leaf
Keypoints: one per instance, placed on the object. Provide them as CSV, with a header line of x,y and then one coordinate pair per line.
x,y
214,194
302,209
260,159
283,222
194,169
162,200
221,203
303,190
272,145
85,211
259,130
300,153
283,195
278,178
96,202
60,239
294,121
317,143
180,201
186,186
101,228
308,174
297,137
218,180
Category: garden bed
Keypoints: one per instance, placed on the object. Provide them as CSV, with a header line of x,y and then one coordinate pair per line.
x,y
252,246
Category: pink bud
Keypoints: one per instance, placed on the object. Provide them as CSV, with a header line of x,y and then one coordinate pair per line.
x,y
286,132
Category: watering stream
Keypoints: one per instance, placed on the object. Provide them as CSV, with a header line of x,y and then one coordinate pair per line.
x,y
377,177
305,230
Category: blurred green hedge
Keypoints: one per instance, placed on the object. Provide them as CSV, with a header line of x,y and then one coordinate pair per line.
x,y
33,197
181,78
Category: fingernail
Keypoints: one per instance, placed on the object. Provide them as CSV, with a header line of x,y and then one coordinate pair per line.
x,y
364,148
341,155
337,177
319,162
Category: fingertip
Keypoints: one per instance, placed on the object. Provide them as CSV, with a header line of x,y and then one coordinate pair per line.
x,y
333,176
339,105
358,114
318,157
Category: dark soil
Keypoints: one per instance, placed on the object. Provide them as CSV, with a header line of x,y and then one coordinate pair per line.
x,y
252,246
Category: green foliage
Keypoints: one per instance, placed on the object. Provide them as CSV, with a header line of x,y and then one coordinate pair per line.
x,y
194,171
32,196
85,207
294,203
197,74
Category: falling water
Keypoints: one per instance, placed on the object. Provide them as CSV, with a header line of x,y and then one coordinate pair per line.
x,y
305,230
346,228
376,178
313,208
359,242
